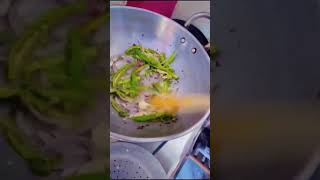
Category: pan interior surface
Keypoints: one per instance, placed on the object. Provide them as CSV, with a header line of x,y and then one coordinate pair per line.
x,y
130,26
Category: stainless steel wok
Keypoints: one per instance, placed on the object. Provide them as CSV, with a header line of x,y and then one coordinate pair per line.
x,y
129,26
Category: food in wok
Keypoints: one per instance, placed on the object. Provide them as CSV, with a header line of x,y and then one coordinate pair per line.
x,y
137,76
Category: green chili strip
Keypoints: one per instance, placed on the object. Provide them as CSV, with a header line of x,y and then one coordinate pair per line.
x,y
162,87
170,59
152,117
59,118
138,53
118,108
116,77
135,78
162,57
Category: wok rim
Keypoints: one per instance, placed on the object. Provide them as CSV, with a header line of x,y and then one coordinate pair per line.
x,y
121,137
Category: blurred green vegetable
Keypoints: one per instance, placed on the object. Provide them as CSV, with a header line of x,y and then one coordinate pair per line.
x,y
39,163
44,64
213,53
57,117
38,32
22,49
51,61
8,92
67,95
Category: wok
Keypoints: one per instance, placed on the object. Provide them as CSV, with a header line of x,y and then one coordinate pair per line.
x,y
129,26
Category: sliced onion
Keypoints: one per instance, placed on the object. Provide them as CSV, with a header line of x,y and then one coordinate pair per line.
x,y
129,106
143,96
128,59
139,63
154,78
118,64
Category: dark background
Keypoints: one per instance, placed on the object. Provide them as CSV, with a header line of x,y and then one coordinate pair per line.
x,y
266,110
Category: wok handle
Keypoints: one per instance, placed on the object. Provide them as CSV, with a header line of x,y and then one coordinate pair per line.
x,y
195,17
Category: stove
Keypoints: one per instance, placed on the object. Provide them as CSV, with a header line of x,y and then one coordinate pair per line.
x,y
172,154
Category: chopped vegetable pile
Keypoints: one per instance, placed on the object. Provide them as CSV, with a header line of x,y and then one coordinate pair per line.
x,y
137,76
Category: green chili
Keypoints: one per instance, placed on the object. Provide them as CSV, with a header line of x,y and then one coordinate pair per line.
x,y
170,59
152,117
116,77
162,87
118,108
135,80
162,57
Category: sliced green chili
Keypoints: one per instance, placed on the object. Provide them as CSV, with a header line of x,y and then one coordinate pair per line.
x,y
116,77
118,108
170,59
152,117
